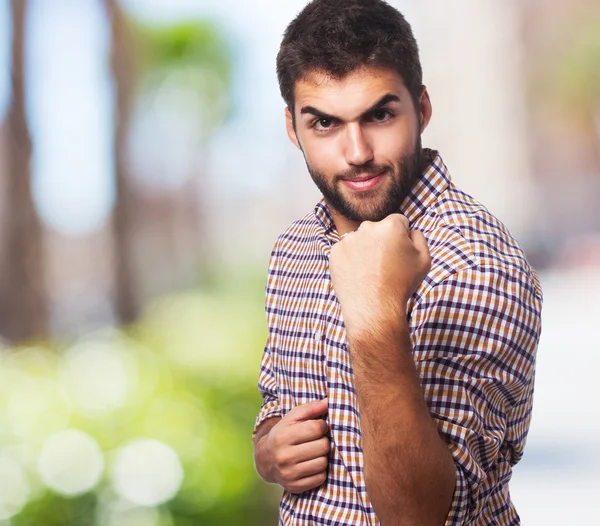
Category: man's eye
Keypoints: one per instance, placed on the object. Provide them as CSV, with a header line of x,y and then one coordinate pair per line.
x,y
381,115
323,124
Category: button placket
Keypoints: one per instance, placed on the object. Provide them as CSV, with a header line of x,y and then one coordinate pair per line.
x,y
341,394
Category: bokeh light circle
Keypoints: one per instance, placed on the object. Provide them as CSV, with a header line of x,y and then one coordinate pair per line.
x,y
147,472
71,462
95,377
15,488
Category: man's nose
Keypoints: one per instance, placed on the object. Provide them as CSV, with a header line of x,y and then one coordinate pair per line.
x,y
358,149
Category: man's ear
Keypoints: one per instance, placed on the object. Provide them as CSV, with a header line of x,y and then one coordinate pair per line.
x,y
425,109
289,126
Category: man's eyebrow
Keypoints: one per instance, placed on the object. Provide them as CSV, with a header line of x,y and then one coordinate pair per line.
x,y
310,110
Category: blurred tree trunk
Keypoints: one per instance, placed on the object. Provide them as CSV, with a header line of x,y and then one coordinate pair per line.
x,y
25,299
123,72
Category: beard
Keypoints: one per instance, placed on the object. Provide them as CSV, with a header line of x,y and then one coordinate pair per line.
x,y
368,205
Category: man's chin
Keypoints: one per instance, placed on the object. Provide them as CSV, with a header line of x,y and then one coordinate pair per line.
x,y
365,213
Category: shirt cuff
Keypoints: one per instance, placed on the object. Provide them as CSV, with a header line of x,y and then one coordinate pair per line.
x,y
461,501
268,410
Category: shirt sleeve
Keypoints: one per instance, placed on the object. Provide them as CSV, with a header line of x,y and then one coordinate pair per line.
x,y
267,387
267,383
475,339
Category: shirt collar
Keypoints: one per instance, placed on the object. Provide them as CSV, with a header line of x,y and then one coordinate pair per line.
x,y
433,182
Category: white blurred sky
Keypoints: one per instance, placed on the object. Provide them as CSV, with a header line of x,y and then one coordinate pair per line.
x,y
70,99
70,95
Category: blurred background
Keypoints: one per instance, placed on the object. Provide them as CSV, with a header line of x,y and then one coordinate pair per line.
x,y
144,175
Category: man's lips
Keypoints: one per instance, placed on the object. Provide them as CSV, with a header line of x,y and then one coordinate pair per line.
x,y
362,184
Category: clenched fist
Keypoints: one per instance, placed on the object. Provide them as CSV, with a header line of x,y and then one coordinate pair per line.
x,y
375,270
294,453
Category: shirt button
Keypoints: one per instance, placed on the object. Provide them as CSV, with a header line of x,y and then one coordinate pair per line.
x,y
318,336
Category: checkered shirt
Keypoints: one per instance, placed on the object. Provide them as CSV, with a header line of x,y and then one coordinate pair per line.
x,y
474,325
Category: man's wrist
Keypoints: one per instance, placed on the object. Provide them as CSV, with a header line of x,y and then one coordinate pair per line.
x,y
380,333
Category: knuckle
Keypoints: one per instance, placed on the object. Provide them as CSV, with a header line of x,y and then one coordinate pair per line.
x,y
281,458
398,220
276,440
322,463
287,474
313,427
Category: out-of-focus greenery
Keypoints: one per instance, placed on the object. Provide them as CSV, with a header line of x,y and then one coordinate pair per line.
x,y
184,377
194,56
577,70
570,77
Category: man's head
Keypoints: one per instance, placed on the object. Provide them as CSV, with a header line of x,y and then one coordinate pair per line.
x,y
350,74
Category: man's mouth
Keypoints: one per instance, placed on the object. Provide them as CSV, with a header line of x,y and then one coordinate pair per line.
x,y
364,183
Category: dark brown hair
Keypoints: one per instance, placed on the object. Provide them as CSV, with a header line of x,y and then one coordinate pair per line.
x,y
338,37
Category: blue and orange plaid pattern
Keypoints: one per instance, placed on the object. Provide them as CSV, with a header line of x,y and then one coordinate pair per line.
x,y
475,325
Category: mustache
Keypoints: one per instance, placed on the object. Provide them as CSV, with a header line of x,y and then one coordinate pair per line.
x,y
363,171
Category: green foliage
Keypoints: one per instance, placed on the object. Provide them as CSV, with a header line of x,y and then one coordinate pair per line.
x,y
180,45
567,81
194,56
578,70
184,376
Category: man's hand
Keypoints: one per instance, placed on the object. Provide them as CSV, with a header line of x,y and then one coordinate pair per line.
x,y
375,270
294,452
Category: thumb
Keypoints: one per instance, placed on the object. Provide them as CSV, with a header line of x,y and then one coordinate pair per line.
x,y
309,411
420,244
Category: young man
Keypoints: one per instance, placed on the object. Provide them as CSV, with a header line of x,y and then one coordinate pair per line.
x,y
403,317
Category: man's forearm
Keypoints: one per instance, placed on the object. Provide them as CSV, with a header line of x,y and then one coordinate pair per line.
x,y
409,471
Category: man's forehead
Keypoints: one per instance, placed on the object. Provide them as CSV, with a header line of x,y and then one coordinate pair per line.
x,y
350,94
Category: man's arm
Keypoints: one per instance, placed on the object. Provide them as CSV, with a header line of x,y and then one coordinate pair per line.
x,y
409,472
475,339
292,451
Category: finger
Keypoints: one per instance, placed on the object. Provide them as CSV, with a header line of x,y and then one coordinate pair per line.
x,y
311,467
420,243
308,411
309,431
398,219
404,222
308,483
311,450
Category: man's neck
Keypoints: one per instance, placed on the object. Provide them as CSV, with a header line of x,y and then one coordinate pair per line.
x,y
343,225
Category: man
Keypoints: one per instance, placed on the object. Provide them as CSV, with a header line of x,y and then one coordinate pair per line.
x,y
403,318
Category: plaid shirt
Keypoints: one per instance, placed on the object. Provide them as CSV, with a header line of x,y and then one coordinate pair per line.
x,y
474,325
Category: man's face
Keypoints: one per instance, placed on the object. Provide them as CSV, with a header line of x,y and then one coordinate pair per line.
x,y
360,136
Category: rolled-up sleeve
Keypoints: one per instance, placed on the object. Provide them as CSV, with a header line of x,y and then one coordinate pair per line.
x,y
267,380
475,338
267,387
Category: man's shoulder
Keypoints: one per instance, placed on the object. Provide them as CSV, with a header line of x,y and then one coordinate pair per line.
x,y
299,236
463,234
